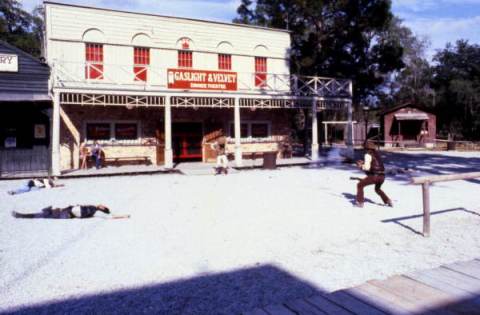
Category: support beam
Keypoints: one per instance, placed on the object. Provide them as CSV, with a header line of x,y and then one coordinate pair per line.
x,y
325,125
238,146
314,130
168,134
350,137
56,135
426,209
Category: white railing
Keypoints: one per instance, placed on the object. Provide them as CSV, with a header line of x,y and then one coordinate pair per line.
x,y
122,77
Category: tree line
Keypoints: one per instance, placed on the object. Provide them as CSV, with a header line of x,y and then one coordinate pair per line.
x,y
360,40
364,41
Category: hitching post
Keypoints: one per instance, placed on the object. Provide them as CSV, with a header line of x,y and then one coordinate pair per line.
x,y
426,208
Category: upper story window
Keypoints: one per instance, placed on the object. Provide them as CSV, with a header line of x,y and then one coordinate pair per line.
x,y
260,71
224,62
94,61
185,59
141,61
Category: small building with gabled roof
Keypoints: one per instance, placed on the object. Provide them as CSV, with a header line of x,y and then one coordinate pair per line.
x,y
408,125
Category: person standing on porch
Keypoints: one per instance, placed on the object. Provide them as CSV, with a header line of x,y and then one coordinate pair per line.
x,y
97,154
375,170
220,149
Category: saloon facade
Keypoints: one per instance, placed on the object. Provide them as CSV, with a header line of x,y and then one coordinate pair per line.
x,y
162,88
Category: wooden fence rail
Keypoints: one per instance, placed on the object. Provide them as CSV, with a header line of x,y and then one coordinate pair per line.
x,y
425,181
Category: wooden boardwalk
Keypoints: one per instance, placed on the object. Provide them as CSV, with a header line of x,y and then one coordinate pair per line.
x,y
449,289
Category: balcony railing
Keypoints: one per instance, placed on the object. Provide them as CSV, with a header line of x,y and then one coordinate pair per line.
x,y
71,75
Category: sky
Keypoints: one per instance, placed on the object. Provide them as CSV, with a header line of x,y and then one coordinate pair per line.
x,y
441,21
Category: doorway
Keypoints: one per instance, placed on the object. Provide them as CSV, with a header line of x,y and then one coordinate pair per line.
x,y
187,141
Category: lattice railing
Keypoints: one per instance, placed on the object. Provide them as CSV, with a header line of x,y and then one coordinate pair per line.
x,y
122,77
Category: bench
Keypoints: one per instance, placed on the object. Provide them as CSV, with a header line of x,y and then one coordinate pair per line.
x,y
425,181
129,159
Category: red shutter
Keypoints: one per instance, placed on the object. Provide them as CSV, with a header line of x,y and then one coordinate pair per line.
x,y
260,71
224,62
94,61
185,59
141,59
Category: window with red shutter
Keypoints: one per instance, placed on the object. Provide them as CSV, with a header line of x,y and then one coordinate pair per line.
x,y
94,61
224,62
141,61
185,59
260,71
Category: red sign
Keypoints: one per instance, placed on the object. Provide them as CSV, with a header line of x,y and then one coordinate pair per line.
x,y
187,79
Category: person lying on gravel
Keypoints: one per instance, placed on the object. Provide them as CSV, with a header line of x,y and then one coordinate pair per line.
x,y
70,212
35,184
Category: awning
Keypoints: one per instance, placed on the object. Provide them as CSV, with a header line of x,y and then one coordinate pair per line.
x,y
411,116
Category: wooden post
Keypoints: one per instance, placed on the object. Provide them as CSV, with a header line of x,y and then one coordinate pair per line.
x,y
314,130
237,128
426,209
56,135
168,155
326,133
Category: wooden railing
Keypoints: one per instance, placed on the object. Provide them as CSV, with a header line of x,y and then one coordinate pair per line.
x,y
425,181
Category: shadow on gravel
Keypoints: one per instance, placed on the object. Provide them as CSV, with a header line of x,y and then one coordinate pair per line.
x,y
263,290
403,166
225,293
400,219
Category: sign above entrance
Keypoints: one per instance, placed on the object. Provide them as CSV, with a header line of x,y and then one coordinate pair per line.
x,y
8,63
187,79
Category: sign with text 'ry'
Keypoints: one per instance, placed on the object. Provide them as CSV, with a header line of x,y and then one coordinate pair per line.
x,y
187,79
8,63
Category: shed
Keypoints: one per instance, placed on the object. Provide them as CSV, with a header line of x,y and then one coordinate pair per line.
x,y
408,125
24,113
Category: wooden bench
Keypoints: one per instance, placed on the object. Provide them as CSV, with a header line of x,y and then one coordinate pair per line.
x,y
116,160
425,181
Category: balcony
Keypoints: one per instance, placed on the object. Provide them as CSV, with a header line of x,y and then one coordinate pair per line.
x,y
72,77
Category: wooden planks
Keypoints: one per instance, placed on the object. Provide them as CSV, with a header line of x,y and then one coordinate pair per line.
x,y
448,290
300,306
327,306
469,268
278,310
353,304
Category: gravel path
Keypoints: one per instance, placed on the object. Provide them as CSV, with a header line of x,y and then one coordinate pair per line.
x,y
225,244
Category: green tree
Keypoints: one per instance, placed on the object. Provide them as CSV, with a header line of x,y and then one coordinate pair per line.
x,y
411,83
16,27
337,38
457,85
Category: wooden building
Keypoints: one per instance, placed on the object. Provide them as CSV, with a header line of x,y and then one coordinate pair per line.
x,y
408,125
161,88
25,106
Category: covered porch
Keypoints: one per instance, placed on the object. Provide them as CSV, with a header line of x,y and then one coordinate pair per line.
x,y
167,127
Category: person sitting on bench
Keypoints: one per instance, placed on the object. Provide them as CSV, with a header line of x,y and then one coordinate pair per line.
x,y
70,212
35,184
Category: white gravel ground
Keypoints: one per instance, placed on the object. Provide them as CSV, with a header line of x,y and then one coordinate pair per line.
x,y
226,244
